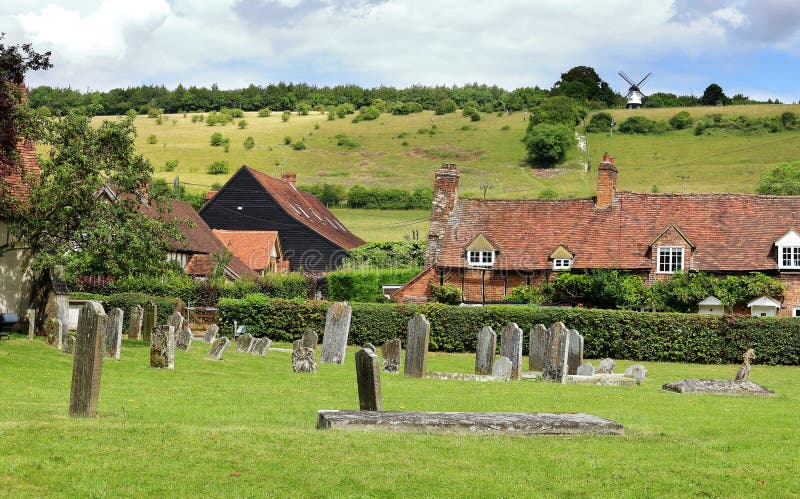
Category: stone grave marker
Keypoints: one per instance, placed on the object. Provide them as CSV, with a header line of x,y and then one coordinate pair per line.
x,y
54,331
368,376
162,347
555,365
310,339
370,346
243,343
175,320
218,348
303,359
502,368
637,371
419,335
337,329
485,350
211,333
297,344
113,334
135,323
606,366
575,355
511,347
743,374
87,365
31,323
149,320
537,350
184,340
68,344
391,352
585,369
261,346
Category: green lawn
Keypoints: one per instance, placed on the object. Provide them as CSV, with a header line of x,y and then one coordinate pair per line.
x,y
384,225
246,427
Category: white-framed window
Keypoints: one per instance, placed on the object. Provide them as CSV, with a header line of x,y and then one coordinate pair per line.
x,y
562,263
789,257
670,259
480,258
795,311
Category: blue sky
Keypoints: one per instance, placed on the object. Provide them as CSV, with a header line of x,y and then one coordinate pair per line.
x,y
746,46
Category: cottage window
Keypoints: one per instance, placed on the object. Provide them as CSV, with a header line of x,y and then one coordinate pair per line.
x,y
480,258
670,259
562,263
790,257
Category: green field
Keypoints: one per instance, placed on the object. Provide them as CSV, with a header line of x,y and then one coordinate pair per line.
x,y
245,426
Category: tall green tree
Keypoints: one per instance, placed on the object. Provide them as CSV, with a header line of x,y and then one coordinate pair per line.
x,y
583,84
782,180
714,96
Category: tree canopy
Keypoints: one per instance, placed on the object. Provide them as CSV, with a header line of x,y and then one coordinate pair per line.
x,y
583,84
714,96
782,180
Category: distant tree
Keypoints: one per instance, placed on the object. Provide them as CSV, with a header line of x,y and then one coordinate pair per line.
x,y
547,144
556,110
782,180
445,106
249,143
216,139
218,168
152,139
264,113
285,116
583,84
242,124
714,96
600,123
303,108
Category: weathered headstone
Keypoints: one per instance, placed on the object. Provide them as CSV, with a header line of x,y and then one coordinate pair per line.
x,y
31,323
555,363
575,355
304,360
87,365
419,335
162,347
743,374
310,339
211,333
175,320
511,347
606,366
537,350
585,369
218,348
68,344
502,368
149,320
485,350
113,334
392,352
297,344
243,343
368,376
54,331
184,340
637,371
370,346
261,346
135,323
337,328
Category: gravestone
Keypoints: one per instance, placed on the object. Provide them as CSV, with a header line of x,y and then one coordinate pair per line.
x,y
511,347
54,331
218,348
419,335
485,350
743,374
211,333
31,323
637,371
162,347
337,328
368,376
391,352
537,350
135,323
113,334
585,369
310,339
502,368
575,355
175,320
606,366
184,340
68,344
243,343
297,344
370,346
555,362
303,359
149,320
261,346
88,362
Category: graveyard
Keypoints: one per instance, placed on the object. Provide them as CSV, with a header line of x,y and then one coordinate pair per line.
x,y
246,425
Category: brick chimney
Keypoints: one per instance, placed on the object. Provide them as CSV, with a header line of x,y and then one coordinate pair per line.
x,y
289,178
445,197
606,183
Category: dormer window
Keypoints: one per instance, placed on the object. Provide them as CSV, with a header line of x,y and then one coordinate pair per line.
x,y
670,259
562,263
480,258
562,258
789,251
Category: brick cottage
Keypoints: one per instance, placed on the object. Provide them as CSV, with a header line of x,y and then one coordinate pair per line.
x,y
487,247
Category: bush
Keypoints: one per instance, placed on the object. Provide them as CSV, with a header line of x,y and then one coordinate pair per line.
x,y
447,294
285,116
781,180
600,123
249,143
152,139
368,113
303,108
345,141
548,144
788,119
525,294
681,120
638,124
287,140
218,168
165,306
154,112
264,113
242,124
365,285
216,139
505,128
475,116
299,146
170,165
444,106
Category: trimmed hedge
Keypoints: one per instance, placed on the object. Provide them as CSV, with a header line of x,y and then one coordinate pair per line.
x,y
668,337
365,285
126,300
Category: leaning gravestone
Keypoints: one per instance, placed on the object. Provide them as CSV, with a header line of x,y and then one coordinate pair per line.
x,y
337,328
575,355
211,333
419,335
606,366
485,350
149,320
303,359
511,347
184,340
218,348
368,376
54,331
502,368
175,320
88,362
537,350
135,323
113,334
243,343
310,339
637,371
68,344
31,323
162,347
391,352
585,369
261,346
555,363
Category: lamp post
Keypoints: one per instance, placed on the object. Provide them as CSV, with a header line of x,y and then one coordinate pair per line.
x,y
683,178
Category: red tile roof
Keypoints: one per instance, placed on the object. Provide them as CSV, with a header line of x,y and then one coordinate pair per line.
x,y
253,247
307,210
731,232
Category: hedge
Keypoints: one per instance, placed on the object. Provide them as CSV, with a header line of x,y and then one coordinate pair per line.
x,y
365,285
668,337
126,300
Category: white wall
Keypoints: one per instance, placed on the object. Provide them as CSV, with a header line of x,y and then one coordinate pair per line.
x,y
16,280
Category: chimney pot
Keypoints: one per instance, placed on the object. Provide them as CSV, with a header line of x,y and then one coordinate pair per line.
x,y
289,178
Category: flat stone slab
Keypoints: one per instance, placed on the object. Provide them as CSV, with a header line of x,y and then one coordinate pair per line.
x,y
602,380
531,375
464,377
718,387
470,423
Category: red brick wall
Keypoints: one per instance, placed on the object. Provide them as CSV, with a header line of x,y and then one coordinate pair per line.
x,y
445,196
606,184
418,290
791,297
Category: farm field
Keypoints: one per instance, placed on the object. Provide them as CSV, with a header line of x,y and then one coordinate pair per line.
x,y
245,426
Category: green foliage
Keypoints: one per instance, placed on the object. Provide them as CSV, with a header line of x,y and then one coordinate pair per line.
x,y
343,110
548,193
445,106
599,289
547,144
329,194
387,255
388,199
303,108
287,140
681,120
600,123
475,116
218,168
714,96
152,139
788,119
278,319
642,125
583,84
782,180
299,145
365,285
170,165
683,291
216,139
447,294
249,143
505,128
126,300
264,112
344,140
525,294
154,112
367,114
556,110
285,116
242,124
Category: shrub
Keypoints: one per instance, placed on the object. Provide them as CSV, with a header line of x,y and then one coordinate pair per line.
x,y
548,144
216,139
152,139
303,108
345,141
218,168
242,124
505,128
475,116
170,165
287,140
285,116
249,143
638,124
788,119
164,306
299,145
447,294
525,294
368,113
226,144
316,126
444,106
264,113
154,112
548,193
365,285
681,120
343,110
600,123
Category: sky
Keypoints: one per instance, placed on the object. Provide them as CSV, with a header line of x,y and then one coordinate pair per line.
x,y
745,46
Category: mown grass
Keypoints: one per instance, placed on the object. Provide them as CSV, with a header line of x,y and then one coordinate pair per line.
x,y
384,225
246,427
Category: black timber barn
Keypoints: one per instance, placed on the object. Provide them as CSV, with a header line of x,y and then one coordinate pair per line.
x,y
312,238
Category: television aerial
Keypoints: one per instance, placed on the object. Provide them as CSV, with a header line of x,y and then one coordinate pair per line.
x,y
635,94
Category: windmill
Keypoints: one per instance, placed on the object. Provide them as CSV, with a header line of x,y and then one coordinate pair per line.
x,y
634,92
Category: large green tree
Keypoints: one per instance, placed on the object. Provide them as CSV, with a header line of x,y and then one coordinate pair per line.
x,y
714,96
782,180
547,144
583,84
